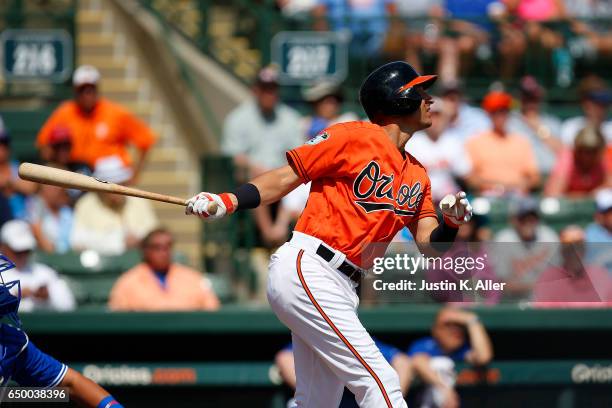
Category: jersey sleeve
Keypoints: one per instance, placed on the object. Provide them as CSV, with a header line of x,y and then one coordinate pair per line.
x,y
37,369
327,154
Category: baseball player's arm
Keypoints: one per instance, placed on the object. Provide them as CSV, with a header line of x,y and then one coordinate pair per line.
x,y
285,363
482,351
422,366
262,190
87,393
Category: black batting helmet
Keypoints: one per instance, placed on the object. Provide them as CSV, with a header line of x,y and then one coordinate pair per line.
x,y
389,90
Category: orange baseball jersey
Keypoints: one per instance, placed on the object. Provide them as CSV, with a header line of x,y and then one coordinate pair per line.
x,y
364,190
106,132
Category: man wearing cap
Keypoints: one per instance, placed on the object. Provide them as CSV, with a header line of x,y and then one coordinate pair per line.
x,y
523,250
542,130
41,287
582,170
595,100
111,223
502,162
259,131
99,127
58,153
326,99
257,134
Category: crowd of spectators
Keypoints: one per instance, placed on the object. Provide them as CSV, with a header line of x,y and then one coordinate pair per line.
x,y
508,149
92,135
460,32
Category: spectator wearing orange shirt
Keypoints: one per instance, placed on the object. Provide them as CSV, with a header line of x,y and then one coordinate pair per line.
x,y
502,162
99,127
158,284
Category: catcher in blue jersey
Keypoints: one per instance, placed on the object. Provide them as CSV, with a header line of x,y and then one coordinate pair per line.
x,y
22,362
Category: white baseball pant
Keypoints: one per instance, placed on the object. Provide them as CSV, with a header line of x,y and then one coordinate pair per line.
x,y
331,347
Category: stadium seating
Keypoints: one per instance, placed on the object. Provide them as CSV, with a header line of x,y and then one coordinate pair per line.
x,y
23,126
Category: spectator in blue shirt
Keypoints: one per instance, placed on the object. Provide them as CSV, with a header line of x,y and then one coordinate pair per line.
x,y
51,218
365,21
475,28
457,336
598,234
14,189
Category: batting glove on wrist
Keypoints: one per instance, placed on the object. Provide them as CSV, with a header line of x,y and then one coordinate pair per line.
x,y
456,209
200,205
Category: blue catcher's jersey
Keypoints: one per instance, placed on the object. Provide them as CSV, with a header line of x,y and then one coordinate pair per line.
x,y
24,363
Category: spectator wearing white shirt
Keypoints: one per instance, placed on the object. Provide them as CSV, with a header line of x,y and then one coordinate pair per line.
x,y
257,134
41,287
110,223
528,248
260,130
595,100
442,155
541,129
464,120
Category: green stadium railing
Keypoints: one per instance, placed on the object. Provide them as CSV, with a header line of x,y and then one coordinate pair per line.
x,y
23,126
245,321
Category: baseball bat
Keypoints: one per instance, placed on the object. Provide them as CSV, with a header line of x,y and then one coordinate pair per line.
x,y
69,179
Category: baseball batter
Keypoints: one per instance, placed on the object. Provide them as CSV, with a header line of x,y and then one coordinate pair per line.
x,y
364,189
